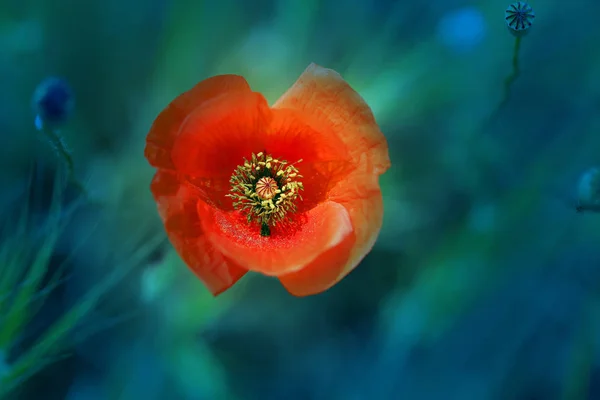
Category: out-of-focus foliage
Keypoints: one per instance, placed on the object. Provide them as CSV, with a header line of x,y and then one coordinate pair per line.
x,y
29,276
25,256
484,281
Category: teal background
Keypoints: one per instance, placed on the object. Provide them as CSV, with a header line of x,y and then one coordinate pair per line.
x,y
483,283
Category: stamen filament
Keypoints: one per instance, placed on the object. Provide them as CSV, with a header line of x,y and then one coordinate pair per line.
x,y
265,189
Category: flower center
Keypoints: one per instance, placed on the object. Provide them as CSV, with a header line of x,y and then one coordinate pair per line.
x,y
265,189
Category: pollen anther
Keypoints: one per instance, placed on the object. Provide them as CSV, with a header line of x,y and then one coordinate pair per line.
x,y
265,189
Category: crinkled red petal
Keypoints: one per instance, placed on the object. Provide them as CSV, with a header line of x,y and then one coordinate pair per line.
x,y
177,208
288,249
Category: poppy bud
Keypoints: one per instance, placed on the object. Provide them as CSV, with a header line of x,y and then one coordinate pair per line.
x,y
519,17
53,102
588,191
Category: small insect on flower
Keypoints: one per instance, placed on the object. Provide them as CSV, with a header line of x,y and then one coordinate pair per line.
x,y
519,17
289,190
53,103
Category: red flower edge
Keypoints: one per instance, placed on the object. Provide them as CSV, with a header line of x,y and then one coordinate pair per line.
x,y
208,146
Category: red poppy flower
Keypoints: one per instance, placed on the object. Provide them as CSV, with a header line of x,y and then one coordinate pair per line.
x,y
290,191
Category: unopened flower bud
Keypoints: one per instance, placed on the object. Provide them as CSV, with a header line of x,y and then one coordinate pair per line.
x,y
53,102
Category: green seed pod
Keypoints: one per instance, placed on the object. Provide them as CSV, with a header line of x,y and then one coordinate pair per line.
x,y
519,17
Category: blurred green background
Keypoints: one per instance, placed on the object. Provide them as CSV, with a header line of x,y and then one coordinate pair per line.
x,y
483,283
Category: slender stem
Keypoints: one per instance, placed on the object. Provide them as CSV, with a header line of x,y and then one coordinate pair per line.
x,y
515,72
59,146
508,82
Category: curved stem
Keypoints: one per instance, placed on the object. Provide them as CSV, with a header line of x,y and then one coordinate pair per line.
x,y
59,146
514,75
508,82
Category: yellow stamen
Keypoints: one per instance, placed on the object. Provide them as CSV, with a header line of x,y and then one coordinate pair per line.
x,y
265,189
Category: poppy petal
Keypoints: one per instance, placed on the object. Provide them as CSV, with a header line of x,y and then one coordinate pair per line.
x,y
361,196
332,107
177,208
288,249
325,159
165,128
215,138
292,139
321,274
